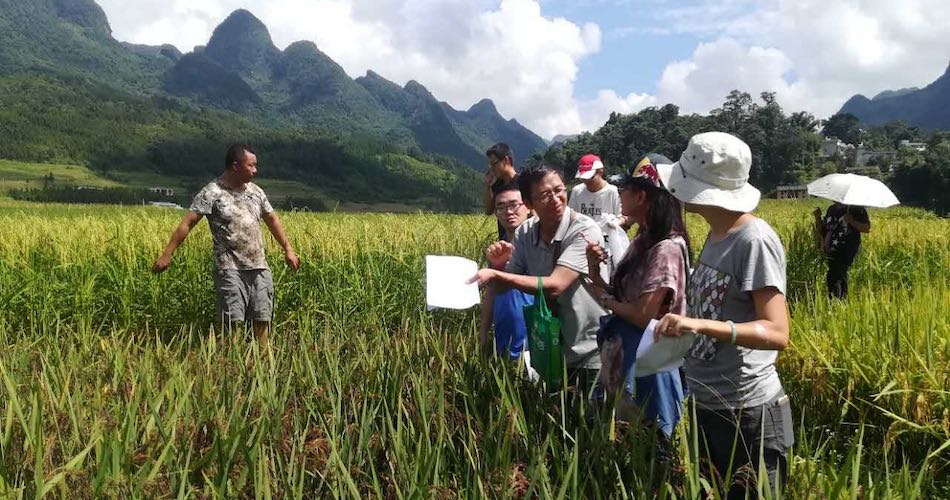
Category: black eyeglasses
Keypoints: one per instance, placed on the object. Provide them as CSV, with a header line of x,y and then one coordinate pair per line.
x,y
508,207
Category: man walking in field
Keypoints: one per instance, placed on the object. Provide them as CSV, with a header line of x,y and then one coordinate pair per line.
x,y
235,207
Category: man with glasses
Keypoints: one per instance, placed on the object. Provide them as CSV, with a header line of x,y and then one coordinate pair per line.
x,y
553,245
501,171
504,309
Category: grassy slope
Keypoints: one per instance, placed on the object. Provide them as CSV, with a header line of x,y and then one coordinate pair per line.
x,y
24,175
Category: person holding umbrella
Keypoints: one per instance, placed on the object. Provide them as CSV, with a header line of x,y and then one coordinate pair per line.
x,y
839,238
838,235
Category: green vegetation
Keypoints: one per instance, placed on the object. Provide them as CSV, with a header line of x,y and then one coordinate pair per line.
x,y
116,383
786,149
20,175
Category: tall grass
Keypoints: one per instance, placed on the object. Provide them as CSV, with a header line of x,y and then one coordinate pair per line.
x,y
116,383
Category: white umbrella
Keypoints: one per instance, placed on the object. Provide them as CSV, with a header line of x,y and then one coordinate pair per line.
x,y
851,189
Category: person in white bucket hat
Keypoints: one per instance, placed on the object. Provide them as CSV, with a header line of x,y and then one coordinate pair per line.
x,y
736,305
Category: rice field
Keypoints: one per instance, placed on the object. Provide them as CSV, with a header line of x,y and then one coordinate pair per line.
x,y
115,383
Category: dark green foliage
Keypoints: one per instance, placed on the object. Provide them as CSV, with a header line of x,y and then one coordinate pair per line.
x,y
923,179
71,36
425,117
203,80
844,126
75,194
625,139
84,13
785,148
482,122
243,45
92,124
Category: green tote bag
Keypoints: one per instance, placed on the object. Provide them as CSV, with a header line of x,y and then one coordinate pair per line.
x,y
544,340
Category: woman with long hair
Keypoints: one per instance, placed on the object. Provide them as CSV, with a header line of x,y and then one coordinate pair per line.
x,y
649,282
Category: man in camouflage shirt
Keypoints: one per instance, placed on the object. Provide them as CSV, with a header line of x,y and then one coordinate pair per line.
x,y
235,207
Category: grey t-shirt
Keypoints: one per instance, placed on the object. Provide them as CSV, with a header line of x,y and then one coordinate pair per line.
x,y
721,375
235,221
578,311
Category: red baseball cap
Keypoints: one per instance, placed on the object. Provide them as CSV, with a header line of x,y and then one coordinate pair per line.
x,y
588,165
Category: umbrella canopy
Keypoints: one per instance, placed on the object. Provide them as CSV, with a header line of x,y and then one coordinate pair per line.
x,y
851,189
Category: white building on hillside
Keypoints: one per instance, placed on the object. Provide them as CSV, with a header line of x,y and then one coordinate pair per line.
x,y
916,146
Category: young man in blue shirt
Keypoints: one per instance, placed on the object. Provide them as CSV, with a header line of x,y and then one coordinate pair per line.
x,y
504,310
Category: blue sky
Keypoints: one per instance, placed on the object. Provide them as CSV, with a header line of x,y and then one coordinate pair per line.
x,y
634,49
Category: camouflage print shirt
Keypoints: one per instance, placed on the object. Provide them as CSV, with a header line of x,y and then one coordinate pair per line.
x,y
235,221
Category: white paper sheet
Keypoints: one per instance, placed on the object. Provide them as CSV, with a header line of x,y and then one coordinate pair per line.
x,y
663,355
445,282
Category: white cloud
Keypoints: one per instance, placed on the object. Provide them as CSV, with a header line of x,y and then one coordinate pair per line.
x,y
594,112
461,50
700,83
814,54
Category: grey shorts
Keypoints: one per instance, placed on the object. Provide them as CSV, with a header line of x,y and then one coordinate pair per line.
x,y
763,431
244,295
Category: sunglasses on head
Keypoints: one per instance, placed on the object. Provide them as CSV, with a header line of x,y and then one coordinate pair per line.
x,y
646,170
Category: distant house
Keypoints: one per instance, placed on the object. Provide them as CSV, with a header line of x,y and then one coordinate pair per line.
x,y
88,188
165,204
865,154
866,171
833,146
164,191
791,192
916,146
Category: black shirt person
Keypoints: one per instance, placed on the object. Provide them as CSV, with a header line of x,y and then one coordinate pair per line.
x,y
839,234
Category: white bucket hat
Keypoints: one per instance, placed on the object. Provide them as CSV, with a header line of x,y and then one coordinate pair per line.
x,y
714,170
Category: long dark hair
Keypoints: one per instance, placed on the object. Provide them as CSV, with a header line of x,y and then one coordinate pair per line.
x,y
664,220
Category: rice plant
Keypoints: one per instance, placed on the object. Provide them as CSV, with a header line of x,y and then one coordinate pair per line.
x,y
116,383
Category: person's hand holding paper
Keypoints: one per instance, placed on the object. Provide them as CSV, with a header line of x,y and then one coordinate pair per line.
x,y
446,282
657,354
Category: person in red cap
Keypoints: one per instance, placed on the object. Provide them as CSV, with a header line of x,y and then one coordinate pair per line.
x,y
600,200
595,197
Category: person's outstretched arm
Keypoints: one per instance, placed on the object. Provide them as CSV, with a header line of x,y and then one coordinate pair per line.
x,y
768,331
178,236
277,229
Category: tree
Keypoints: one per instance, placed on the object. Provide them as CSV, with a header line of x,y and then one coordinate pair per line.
x,y
843,126
735,112
923,179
